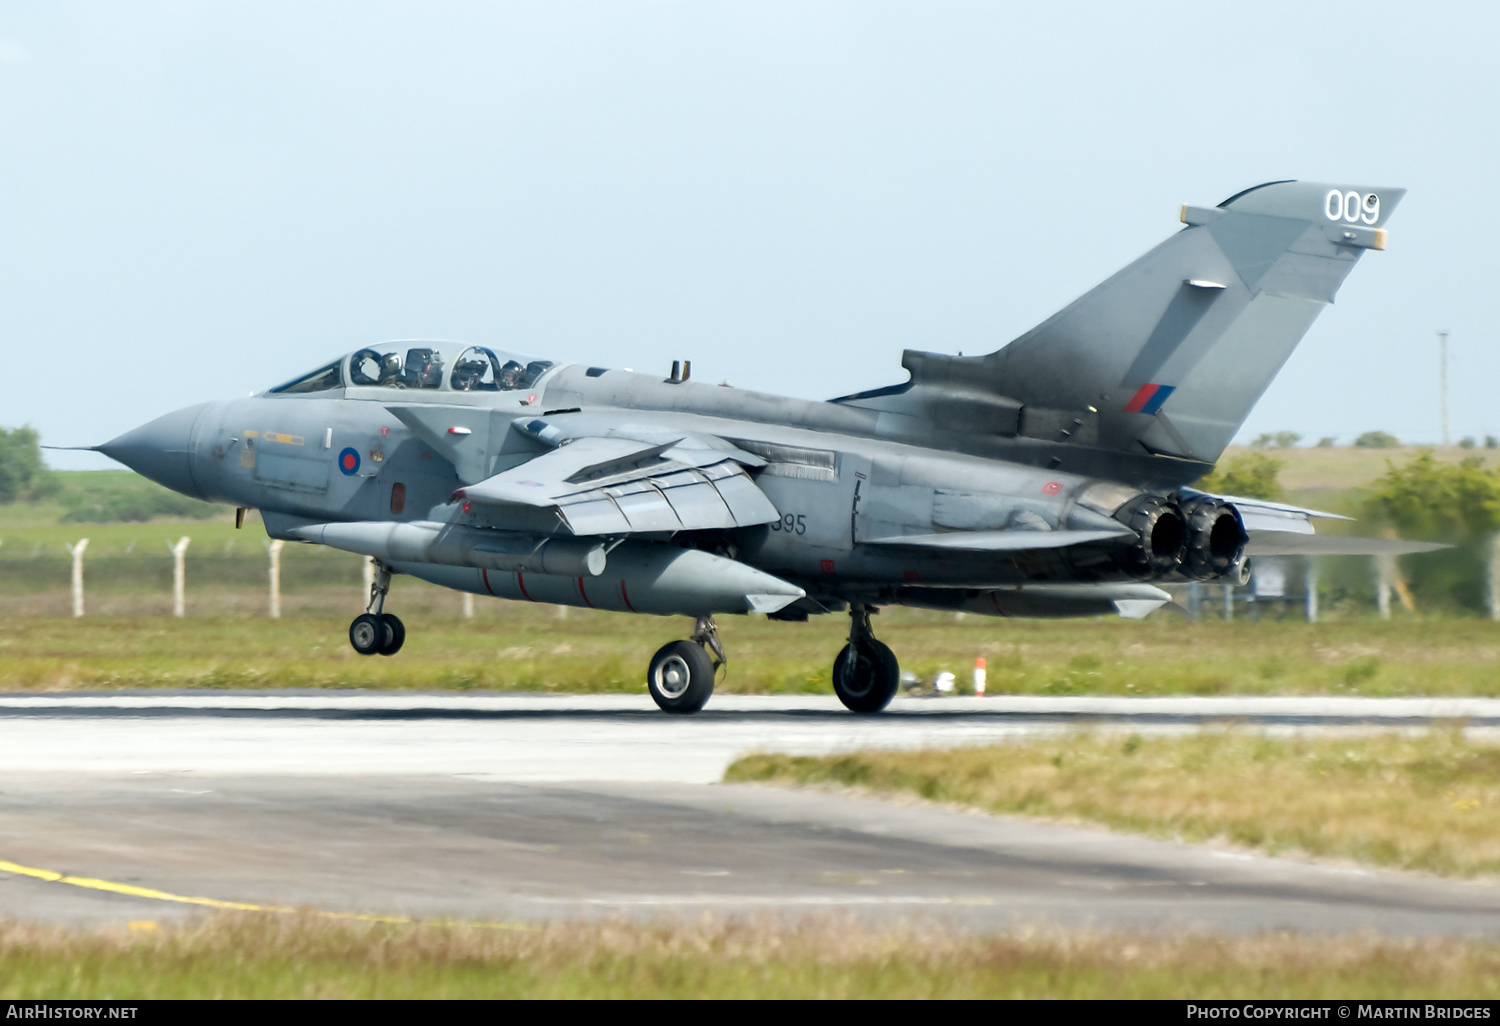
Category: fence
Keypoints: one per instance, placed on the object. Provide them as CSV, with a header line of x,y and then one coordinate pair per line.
x,y
1286,582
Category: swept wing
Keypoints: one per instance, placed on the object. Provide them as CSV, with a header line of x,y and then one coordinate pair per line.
x,y
611,486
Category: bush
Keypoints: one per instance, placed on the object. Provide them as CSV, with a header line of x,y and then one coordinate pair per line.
x,y
1446,502
118,496
1377,440
1251,475
1278,440
23,475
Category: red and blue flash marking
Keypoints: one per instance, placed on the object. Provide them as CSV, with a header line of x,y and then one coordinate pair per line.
x,y
1149,398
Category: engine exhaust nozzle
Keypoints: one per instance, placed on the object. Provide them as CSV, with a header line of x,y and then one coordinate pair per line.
x,y
1161,537
1215,539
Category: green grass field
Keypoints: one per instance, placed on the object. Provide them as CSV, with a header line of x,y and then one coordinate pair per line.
x,y
512,646
253,956
1421,803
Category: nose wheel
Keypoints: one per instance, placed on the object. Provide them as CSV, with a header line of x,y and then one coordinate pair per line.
x,y
375,632
681,675
866,673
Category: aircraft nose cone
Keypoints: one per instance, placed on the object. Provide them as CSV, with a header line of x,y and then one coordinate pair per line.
x,y
161,450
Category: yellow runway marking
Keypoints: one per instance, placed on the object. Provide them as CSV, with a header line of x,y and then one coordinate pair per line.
x,y
241,906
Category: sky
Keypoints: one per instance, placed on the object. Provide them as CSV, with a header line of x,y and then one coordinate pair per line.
x,y
204,198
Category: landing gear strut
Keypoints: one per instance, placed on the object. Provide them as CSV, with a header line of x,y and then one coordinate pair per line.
x,y
866,673
681,677
375,631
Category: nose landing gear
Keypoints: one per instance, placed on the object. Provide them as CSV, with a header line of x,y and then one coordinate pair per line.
x,y
375,631
866,673
681,676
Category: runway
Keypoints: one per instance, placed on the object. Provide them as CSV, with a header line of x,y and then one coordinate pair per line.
x,y
511,809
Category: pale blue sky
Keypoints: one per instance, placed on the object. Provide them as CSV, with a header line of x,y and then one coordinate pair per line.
x,y
202,199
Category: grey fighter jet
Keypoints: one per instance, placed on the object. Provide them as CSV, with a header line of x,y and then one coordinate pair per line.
x,y
1050,478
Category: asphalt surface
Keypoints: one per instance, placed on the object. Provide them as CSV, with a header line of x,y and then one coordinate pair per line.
x,y
517,808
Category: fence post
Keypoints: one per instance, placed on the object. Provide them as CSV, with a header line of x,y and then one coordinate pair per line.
x,y
1312,590
1494,577
179,576
468,605
274,548
76,551
1385,569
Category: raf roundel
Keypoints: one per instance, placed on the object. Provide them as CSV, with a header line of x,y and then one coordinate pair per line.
x,y
349,462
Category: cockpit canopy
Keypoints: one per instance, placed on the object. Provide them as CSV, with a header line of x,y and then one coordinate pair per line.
x,y
444,366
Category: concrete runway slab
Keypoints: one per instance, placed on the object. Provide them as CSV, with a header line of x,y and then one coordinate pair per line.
x,y
595,737
501,808
434,847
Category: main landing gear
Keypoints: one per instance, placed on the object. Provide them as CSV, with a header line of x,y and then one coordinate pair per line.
x,y
681,677
375,631
865,674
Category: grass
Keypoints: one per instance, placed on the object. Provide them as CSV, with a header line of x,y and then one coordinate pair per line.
x,y
103,496
517,646
1309,469
1411,802
253,956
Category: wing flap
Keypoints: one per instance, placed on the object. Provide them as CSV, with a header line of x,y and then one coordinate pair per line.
x,y
607,485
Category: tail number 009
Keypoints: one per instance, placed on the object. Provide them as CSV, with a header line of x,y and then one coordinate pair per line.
x,y
1350,207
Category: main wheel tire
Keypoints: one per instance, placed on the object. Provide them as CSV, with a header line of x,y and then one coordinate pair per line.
x,y
395,634
681,677
867,683
367,634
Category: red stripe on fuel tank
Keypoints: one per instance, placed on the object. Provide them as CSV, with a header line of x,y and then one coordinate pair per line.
x,y
626,596
485,574
583,594
522,585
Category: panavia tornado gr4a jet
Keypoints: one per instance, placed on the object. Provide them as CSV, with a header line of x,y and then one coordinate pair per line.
x,y
1050,478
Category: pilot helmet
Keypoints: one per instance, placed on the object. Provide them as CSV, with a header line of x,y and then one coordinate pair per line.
x,y
468,374
430,374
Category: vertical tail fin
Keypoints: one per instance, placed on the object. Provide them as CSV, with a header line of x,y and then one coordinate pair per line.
x,y
1168,356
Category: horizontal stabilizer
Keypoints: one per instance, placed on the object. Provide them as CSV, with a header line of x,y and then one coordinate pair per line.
x,y
1004,541
1296,543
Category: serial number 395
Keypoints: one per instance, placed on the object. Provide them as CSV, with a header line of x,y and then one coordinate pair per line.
x,y
791,523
